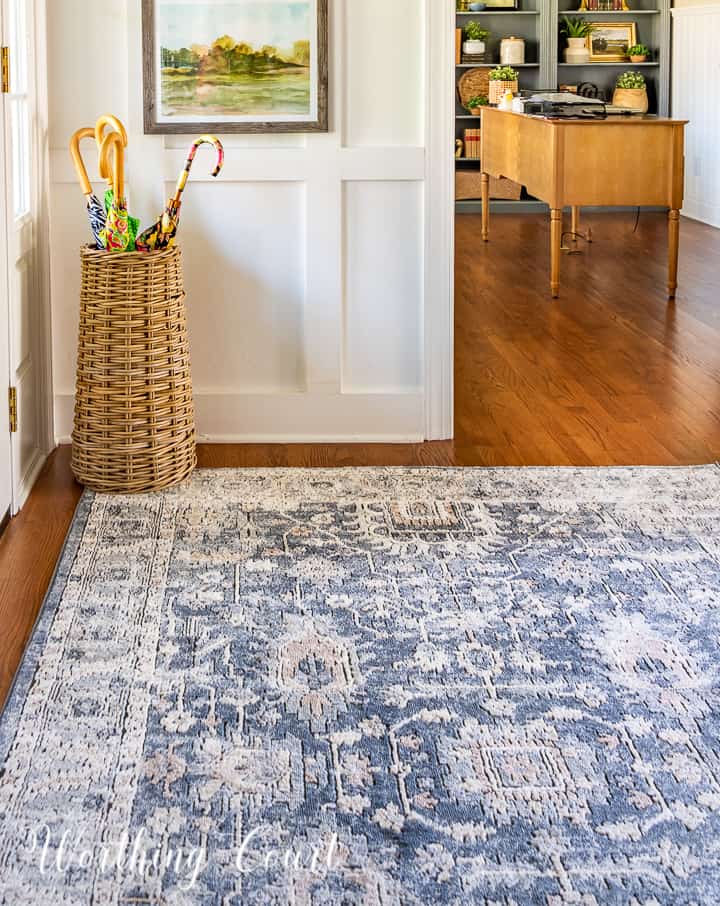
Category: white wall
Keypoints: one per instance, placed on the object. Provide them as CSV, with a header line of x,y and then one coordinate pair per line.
x,y
696,97
307,261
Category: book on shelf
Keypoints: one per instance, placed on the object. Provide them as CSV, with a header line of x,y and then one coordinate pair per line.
x,y
604,6
458,45
472,144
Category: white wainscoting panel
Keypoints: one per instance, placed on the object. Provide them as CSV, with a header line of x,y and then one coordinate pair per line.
x,y
382,336
244,263
383,72
306,263
696,97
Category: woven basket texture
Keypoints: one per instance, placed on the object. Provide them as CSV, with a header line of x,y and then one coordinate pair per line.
x,y
498,90
134,416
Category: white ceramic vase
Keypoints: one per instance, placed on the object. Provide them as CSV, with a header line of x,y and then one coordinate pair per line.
x,y
577,51
474,47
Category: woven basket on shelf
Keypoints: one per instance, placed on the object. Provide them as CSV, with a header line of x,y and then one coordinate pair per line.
x,y
474,82
498,90
468,187
134,416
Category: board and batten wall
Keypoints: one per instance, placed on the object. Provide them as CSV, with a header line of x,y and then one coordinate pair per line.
x,y
318,267
696,97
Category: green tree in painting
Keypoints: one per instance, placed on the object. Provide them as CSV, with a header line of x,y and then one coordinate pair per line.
x,y
301,53
224,47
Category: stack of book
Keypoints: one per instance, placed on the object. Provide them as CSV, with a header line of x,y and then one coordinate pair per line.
x,y
472,144
474,58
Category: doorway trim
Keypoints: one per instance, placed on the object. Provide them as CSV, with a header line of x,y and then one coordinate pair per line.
x,y
440,220
38,326
46,414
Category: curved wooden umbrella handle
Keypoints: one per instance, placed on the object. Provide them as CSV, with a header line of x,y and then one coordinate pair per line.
x,y
80,167
107,119
113,140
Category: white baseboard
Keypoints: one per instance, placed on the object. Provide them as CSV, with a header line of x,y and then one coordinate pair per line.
x,y
29,479
306,418
700,210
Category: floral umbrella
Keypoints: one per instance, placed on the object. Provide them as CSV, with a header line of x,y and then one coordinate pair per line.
x,y
117,235
161,235
108,120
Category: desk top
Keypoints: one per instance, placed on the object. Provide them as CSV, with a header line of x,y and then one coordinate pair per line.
x,y
587,162
611,120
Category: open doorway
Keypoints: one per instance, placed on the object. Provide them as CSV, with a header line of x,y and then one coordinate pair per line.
x,y
612,372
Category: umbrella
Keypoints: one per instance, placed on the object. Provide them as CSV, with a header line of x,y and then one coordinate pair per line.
x,y
161,235
107,119
96,212
117,235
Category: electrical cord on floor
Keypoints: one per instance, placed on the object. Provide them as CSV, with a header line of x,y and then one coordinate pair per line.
x,y
637,221
574,237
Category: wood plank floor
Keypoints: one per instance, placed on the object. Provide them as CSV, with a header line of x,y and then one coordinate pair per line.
x,y
609,374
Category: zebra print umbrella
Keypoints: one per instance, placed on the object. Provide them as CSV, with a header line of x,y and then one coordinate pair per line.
x,y
96,210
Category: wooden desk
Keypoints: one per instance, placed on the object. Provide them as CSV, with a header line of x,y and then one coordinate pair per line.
x,y
625,161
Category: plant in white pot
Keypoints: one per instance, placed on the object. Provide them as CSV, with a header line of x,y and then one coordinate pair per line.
x,y
638,53
501,80
475,38
576,31
631,92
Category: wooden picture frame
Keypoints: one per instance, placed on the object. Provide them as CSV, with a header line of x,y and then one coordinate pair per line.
x,y
616,34
159,122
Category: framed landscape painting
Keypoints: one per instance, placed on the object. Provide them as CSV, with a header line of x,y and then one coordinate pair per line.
x,y
235,66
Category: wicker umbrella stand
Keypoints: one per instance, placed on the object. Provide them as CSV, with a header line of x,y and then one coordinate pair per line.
x,y
134,416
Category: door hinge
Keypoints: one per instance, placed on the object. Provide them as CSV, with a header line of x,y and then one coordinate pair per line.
x,y
12,406
5,62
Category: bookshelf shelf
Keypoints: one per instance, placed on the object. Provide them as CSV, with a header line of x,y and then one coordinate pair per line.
x,y
495,63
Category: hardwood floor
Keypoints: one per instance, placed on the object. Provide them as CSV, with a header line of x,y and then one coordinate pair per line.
x,y
609,374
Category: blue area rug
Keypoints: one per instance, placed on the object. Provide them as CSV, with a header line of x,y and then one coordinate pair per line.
x,y
376,687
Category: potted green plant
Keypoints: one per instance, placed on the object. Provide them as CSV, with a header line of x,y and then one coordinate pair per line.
x,y
475,104
502,79
631,92
475,37
638,53
576,31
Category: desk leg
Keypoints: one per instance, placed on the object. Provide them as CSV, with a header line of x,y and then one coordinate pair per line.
x,y
485,196
575,227
674,248
556,228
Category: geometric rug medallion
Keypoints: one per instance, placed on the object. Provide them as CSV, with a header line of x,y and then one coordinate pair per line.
x,y
382,687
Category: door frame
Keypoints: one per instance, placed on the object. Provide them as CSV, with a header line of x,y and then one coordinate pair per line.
x,y
40,287
46,415
440,219
6,504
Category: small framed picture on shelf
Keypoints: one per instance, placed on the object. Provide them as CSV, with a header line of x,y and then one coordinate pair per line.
x,y
608,42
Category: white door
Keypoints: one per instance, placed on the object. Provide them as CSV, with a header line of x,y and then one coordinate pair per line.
x,y
5,457
21,155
